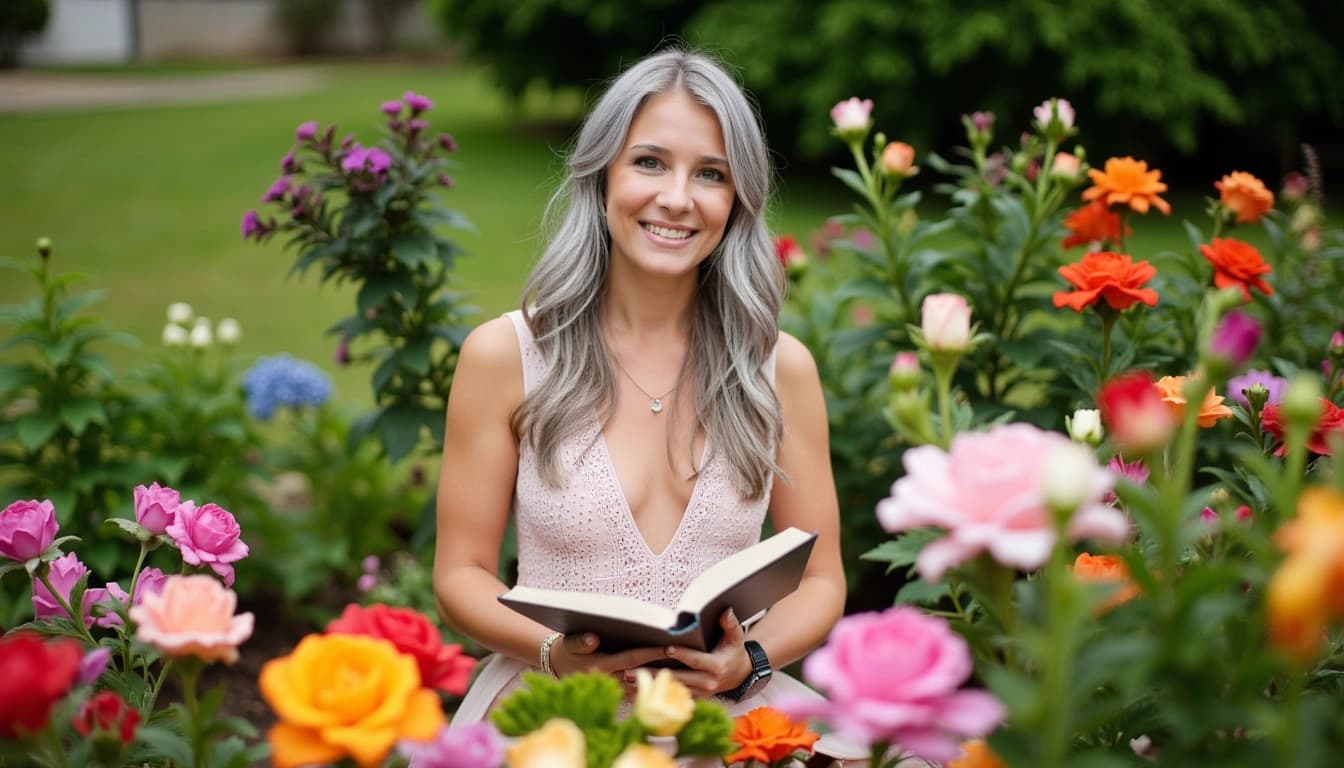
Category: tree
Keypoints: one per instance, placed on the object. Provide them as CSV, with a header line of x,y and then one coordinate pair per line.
x,y
18,20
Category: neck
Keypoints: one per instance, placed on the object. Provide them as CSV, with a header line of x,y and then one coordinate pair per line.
x,y
646,309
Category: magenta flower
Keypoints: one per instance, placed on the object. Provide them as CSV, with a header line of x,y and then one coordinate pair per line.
x,y
92,665
155,507
208,535
290,165
370,159
342,354
277,191
391,108
895,677
470,746
306,131
1237,386
416,126
445,180
366,582
1135,473
447,143
64,573
251,225
1235,339
27,529
417,103
988,494
982,121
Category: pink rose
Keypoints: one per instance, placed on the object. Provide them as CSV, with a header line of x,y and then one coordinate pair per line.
x,y
895,677
27,529
208,535
150,582
1065,165
945,319
193,616
851,116
155,507
1062,108
64,573
988,494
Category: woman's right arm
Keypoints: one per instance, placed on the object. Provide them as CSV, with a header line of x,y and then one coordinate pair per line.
x,y
480,463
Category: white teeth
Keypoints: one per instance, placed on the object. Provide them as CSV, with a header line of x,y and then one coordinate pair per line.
x,y
674,234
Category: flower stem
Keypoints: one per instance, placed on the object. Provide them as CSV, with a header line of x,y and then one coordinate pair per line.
x,y
77,618
942,374
1108,316
200,746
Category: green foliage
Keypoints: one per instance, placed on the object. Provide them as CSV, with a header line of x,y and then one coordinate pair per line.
x,y
1179,73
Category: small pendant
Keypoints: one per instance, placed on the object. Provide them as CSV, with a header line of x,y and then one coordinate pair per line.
x,y
656,406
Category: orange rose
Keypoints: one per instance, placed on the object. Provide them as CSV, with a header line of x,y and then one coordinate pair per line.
x,y
1093,223
1110,276
1245,196
898,159
340,696
766,735
1127,181
1236,264
1172,389
977,754
1307,590
1318,533
1106,569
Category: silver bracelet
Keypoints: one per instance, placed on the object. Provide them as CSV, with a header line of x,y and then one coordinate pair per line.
x,y
545,655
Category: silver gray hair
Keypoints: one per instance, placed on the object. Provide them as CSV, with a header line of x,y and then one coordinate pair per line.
x,y
735,316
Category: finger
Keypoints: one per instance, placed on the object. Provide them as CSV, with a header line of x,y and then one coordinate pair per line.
x,y
700,683
638,657
732,630
582,643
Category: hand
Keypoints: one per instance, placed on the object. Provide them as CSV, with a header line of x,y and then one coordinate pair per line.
x,y
722,669
578,653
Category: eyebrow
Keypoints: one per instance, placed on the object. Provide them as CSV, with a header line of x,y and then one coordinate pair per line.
x,y
705,159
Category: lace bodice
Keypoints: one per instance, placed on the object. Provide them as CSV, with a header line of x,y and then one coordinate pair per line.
x,y
583,537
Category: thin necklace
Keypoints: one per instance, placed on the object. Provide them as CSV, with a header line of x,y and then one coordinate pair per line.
x,y
655,403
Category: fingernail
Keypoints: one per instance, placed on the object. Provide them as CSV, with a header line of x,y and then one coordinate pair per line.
x,y
732,615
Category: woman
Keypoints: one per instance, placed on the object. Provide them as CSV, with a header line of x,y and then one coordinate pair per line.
x,y
637,412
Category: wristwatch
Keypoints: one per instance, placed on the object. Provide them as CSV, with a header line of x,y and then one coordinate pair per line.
x,y
760,673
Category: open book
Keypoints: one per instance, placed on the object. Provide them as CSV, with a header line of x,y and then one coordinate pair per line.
x,y
748,581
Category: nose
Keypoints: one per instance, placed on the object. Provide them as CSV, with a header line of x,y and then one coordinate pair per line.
x,y
675,194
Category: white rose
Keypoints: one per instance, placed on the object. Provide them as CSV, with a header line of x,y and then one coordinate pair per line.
x,y
1085,426
1070,476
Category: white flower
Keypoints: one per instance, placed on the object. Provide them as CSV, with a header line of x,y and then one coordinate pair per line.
x,y
851,116
174,335
1062,109
202,320
201,336
1072,477
179,312
1085,426
228,331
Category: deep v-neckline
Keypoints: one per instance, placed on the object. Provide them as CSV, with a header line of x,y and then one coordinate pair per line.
x,y
629,514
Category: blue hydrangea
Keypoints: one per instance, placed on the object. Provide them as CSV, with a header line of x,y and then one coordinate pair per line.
x,y
282,380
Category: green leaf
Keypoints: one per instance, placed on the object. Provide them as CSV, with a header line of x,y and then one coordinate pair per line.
x,y
80,412
415,355
852,180
903,550
35,429
73,304
399,430
13,377
415,248
162,743
920,592
377,290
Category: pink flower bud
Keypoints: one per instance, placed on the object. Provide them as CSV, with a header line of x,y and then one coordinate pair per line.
x,y
306,131
27,529
898,159
1235,339
851,117
946,321
155,507
391,108
447,143
1065,166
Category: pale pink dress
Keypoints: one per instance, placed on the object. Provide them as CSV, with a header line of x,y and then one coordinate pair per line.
x,y
583,537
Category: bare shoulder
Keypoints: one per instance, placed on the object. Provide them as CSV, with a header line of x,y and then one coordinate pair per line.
x,y
492,347
794,366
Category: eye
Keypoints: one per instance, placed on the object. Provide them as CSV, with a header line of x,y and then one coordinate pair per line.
x,y
713,174
647,161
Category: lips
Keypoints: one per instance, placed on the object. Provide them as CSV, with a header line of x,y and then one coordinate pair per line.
x,y
667,233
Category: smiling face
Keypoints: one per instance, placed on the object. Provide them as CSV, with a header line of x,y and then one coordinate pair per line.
x,y
669,189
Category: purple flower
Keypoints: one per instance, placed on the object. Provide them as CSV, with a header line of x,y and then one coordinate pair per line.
x,y
983,121
277,191
342,354
288,164
447,143
251,225
1237,386
306,131
371,564
469,746
92,665
27,529
1235,338
416,126
366,582
417,103
379,161
445,180
1134,472
391,108
155,507
371,159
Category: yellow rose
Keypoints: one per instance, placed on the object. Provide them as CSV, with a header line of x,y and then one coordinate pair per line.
x,y
643,756
342,696
557,744
662,704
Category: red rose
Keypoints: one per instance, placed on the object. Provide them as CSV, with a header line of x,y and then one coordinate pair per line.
x,y
107,713
1331,420
1132,409
442,666
34,675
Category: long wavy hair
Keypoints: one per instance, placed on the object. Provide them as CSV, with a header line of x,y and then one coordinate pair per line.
x,y
735,314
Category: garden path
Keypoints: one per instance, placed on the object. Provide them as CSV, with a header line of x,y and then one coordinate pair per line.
x,y
33,91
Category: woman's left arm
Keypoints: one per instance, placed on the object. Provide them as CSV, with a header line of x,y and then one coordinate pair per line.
x,y
806,500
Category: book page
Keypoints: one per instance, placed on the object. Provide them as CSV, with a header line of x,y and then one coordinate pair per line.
x,y
598,604
736,567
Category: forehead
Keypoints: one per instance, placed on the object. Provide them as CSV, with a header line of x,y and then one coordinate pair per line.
x,y
676,121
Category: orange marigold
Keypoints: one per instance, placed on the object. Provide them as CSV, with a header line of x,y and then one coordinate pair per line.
x,y
1308,588
1127,181
1245,196
977,754
1172,389
1237,265
1093,223
1106,569
1110,276
766,735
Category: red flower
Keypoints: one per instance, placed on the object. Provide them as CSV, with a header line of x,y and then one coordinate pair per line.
x,y
1132,409
442,666
789,252
1237,264
107,713
1331,420
1110,276
1093,223
34,675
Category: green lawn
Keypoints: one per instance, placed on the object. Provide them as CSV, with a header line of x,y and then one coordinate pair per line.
x,y
147,201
